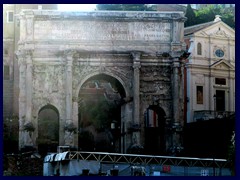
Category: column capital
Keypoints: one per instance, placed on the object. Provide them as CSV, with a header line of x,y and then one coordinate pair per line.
x,y
136,55
136,59
24,57
69,54
175,63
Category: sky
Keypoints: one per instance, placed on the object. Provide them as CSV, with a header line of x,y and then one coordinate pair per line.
x,y
76,7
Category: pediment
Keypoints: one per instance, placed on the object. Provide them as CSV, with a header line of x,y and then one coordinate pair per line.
x,y
218,30
222,65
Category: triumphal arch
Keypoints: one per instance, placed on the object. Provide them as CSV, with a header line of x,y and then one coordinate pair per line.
x,y
59,52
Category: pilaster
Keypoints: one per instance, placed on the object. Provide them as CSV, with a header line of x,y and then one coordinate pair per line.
x,y
29,86
69,136
136,98
175,88
25,95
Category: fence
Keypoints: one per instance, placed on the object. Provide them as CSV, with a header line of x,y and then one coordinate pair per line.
x,y
160,165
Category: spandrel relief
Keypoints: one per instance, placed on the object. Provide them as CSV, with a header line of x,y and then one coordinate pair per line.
x,y
47,80
160,88
155,73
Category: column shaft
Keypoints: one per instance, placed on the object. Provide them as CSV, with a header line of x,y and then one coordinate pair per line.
x,y
69,90
136,85
136,98
175,91
29,90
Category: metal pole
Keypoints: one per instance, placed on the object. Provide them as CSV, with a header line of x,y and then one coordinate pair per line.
x,y
214,167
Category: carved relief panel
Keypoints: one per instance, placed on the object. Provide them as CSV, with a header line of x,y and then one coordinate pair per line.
x,y
48,84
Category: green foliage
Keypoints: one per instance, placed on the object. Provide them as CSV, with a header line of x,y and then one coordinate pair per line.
x,y
100,113
48,129
208,14
228,18
191,17
113,7
124,7
203,15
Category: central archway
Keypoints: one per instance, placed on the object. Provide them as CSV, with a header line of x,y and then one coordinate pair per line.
x,y
100,99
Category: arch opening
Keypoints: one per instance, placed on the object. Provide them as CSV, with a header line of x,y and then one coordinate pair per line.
x,y
155,121
48,129
100,100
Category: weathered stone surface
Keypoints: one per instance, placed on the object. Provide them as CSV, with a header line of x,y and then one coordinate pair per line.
x,y
61,50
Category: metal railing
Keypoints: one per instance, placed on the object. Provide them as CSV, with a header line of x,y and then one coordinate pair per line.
x,y
179,166
103,157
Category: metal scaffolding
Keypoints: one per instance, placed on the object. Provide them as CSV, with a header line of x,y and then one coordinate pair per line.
x,y
132,159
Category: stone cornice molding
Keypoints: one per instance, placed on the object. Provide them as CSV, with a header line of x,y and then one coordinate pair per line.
x,y
24,56
107,15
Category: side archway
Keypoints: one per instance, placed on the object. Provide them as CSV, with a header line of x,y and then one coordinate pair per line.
x,y
155,122
48,129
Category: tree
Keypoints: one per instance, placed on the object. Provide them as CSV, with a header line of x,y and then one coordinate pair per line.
x,y
124,7
208,13
191,17
99,113
116,7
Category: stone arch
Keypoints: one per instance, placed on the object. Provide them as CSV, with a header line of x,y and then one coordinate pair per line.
x,y
41,106
155,122
48,128
101,132
124,85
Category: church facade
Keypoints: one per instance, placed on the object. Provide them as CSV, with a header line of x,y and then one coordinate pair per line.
x,y
210,70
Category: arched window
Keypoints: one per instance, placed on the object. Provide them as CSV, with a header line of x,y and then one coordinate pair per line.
x,y
199,49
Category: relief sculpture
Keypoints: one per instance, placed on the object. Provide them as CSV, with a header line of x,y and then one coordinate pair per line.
x,y
154,73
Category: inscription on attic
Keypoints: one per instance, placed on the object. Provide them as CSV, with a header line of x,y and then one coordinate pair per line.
x,y
95,30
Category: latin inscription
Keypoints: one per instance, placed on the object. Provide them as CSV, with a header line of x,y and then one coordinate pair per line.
x,y
94,30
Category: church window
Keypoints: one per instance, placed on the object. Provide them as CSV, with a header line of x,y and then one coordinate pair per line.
x,y
10,16
199,94
199,49
220,81
219,53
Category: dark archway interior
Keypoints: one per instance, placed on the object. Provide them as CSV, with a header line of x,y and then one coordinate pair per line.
x,y
100,99
114,82
48,129
155,130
